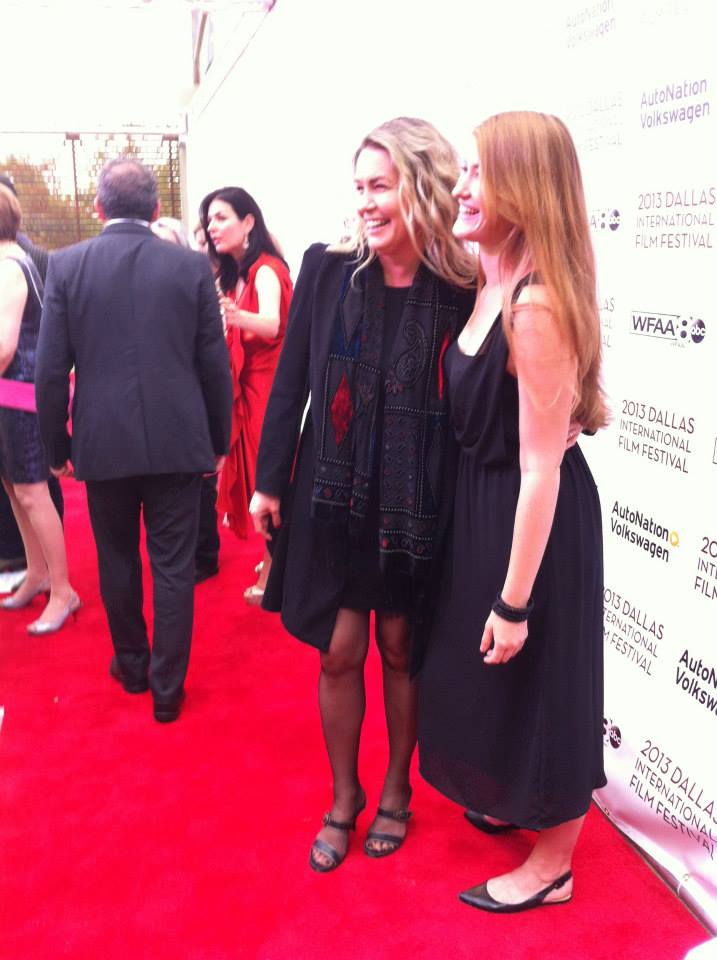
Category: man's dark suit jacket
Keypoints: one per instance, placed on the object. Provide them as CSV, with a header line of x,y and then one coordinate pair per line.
x,y
139,320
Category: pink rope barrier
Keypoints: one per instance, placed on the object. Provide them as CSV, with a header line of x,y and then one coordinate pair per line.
x,y
17,396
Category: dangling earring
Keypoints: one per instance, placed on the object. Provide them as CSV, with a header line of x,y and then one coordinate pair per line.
x,y
246,241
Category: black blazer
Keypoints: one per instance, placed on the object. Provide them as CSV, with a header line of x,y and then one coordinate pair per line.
x,y
308,569
300,371
138,318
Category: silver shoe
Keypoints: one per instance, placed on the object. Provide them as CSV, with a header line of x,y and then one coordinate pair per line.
x,y
38,629
12,603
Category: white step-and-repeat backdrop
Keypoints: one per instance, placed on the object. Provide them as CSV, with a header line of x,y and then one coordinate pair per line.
x,y
644,114
635,81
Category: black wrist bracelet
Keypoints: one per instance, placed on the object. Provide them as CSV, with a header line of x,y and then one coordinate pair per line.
x,y
512,614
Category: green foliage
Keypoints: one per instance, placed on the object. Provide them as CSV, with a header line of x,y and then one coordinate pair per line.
x,y
54,213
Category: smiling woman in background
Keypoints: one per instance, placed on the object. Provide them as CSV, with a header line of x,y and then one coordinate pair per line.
x,y
357,516
255,292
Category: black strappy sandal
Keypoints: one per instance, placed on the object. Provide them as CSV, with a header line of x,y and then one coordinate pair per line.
x,y
321,846
401,816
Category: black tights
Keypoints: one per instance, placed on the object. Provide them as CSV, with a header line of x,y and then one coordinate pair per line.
x,y
342,702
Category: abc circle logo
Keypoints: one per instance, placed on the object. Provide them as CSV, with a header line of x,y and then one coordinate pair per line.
x,y
698,331
605,219
695,329
611,733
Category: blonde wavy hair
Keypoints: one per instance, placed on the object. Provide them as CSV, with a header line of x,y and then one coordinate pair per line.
x,y
427,167
530,176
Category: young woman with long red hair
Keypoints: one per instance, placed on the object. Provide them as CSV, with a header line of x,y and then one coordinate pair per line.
x,y
510,716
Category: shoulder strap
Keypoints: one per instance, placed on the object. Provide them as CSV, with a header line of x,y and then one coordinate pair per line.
x,y
31,274
525,282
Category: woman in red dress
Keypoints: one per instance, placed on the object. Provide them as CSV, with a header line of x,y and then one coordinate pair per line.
x,y
254,290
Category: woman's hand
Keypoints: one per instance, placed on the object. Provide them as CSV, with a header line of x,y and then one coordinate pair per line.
x,y
218,466
502,640
263,508
230,312
64,470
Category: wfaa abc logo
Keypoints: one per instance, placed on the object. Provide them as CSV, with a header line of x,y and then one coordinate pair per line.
x,y
680,330
604,220
611,733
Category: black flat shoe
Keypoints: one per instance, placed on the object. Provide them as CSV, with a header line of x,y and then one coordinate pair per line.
x,y
393,843
321,846
479,821
480,898
116,673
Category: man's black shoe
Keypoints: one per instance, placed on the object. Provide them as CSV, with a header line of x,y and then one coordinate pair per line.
x,y
168,712
116,674
204,573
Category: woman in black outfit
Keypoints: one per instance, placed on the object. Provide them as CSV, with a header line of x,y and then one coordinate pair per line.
x,y
512,684
356,522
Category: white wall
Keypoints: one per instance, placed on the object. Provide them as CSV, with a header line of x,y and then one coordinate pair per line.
x,y
321,73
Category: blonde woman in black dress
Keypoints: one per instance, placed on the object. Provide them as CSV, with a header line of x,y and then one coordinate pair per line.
x,y
357,516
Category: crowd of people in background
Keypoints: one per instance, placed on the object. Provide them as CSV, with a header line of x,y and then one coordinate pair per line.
x,y
401,430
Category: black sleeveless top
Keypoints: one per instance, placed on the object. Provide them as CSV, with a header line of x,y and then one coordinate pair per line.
x,y
22,365
22,456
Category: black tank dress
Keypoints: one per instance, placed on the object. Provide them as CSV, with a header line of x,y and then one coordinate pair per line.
x,y
22,456
520,741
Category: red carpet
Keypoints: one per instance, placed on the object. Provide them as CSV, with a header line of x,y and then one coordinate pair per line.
x,y
123,838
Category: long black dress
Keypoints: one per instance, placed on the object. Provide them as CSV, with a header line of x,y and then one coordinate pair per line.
x,y
22,456
520,741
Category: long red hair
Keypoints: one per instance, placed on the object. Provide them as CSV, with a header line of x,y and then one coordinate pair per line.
x,y
531,177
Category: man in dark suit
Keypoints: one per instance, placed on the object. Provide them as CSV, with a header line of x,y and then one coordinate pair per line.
x,y
139,320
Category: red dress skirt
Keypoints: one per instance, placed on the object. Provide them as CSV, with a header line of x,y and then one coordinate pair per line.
x,y
253,362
